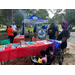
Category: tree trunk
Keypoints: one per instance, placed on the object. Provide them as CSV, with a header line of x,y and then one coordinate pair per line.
x,y
6,17
11,16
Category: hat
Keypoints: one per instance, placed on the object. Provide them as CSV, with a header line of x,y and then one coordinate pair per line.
x,y
13,22
52,23
65,24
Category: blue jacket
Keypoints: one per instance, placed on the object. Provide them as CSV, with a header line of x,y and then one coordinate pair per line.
x,y
44,27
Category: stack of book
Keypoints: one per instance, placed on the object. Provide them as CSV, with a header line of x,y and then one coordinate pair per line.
x,y
2,47
29,43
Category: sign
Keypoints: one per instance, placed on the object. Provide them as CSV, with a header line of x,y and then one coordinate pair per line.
x,y
41,33
35,18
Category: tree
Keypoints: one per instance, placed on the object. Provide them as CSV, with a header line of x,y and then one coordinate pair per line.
x,y
69,15
18,17
6,16
42,13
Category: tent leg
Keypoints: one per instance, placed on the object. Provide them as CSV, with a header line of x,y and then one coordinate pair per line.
x,y
24,29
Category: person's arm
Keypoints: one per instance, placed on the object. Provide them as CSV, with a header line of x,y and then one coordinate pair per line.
x,y
33,39
38,39
56,34
7,29
63,39
48,31
16,27
68,37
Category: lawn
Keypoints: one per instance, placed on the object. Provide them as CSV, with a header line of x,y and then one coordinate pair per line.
x,y
73,28
2,27
26,29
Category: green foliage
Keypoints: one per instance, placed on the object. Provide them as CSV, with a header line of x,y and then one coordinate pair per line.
x,y
42,13
7,16
18,18
68,15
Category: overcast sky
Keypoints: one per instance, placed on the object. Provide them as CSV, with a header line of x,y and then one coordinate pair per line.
x,y
51,14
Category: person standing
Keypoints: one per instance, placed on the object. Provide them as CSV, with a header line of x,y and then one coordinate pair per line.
x,y
70,28
7,28
56,26
44,27
14,29
62,37
10,34
35,29
52,32
38,27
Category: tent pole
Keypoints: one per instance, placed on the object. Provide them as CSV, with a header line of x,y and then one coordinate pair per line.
x,y
24,29
47,28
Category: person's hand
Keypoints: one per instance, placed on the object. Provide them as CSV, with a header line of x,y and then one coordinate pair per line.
x,y
16,28
59,41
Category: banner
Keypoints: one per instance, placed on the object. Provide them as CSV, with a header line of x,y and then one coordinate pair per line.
x,y
41,33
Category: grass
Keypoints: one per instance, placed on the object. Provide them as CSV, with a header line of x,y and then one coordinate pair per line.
x,y
2,27
73,28
26,29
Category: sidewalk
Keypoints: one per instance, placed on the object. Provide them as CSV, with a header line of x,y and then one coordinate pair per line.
x,y
2,30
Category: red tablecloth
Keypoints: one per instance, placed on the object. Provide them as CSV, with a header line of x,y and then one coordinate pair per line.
x,y
9,53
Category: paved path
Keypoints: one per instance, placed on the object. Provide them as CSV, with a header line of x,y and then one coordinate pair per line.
x,y
2,29
72,37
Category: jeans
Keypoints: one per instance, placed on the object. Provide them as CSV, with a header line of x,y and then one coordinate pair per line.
x,y
15,33
11,38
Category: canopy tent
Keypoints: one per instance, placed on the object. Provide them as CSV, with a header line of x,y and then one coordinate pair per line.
x,y
33,20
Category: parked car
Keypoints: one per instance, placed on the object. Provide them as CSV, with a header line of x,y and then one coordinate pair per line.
x,y
73,30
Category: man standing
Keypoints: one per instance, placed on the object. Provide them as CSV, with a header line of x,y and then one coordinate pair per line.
x,y
70,28
56,26
14,29
35,29
52,32
44,27
38,27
